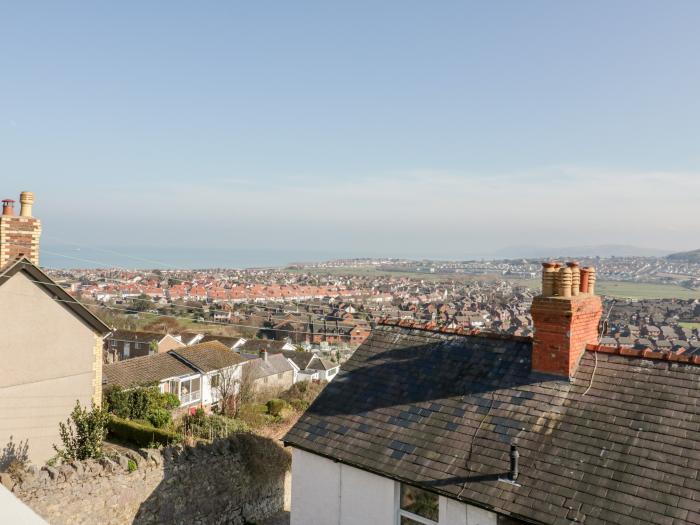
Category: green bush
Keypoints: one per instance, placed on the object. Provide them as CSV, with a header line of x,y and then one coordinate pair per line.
x,y
132,465
138,403
253,415
212,426
303,390
140,434
83,433
275,406
299,405
170,401
159,417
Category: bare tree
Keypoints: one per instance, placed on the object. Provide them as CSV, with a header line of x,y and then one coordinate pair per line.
x,y
233,389
227,385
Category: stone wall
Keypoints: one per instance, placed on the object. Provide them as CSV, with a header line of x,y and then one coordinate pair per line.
x,y
237,480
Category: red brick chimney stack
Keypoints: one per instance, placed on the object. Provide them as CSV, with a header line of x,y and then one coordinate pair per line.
x,y
565,319
19,235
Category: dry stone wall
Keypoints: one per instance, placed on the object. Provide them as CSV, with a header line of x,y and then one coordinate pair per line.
x,y
206,484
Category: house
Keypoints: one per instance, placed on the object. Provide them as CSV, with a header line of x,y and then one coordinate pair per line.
x,y
50,355
125,344
428,427
271,372
253,347
191,372
310,367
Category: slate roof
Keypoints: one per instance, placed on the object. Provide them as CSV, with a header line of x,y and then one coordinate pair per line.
x,y
301,359
208,356
254,346
275,364
322,364
618,444
144,370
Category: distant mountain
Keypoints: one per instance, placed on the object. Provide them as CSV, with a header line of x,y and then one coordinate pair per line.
x,y
691,256
604,250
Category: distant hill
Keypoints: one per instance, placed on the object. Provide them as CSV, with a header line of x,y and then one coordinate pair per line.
x,y
691,256
604,250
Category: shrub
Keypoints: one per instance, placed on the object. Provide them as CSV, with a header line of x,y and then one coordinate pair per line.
x,y
212,426
303,390
275,406
83,433
159,417
299,405
138,403
253,414
170,401
140,434
132,465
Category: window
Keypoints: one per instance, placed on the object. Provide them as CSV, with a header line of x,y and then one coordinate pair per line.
x,y
418,506
189,391
280,376
215,379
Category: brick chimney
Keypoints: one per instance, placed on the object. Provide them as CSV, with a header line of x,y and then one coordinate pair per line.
x,y
19,235
565,319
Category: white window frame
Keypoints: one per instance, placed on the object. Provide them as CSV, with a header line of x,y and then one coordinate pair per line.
x,y
399,512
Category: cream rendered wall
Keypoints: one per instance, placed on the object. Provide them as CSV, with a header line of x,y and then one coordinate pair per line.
x,y
48,360
315,490
365,498
325,492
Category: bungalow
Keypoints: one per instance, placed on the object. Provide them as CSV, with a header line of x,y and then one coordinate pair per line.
x,y
271,372
191,372
253,347
433,428
310,367
125,344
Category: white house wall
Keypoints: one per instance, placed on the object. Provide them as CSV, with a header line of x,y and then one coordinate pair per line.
x,y
325,492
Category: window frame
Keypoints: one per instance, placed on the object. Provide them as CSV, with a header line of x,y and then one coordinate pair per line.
x,y
401,513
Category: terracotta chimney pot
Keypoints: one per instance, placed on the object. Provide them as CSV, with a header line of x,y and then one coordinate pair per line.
x,y
591,280
584,279
564,282
575,277
548,279
8,207
26,199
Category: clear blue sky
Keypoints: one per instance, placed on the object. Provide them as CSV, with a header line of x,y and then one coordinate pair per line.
x,y
366,128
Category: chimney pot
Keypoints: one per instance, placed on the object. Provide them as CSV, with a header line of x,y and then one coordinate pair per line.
x,y
575,277
8,207
26,199
548,279
584,280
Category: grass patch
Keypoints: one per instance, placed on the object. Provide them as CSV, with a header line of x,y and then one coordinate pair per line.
x,y
691,326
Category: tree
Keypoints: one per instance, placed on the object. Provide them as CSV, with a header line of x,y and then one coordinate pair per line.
x,y
226,384
82,434
142,303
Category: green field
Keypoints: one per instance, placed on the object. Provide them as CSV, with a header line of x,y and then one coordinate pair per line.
x,y
623,290
629,290
690,325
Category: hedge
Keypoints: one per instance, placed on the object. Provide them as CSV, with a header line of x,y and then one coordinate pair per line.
x,y
140,434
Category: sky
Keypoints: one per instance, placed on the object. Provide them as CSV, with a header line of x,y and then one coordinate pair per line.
x,y
394,128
